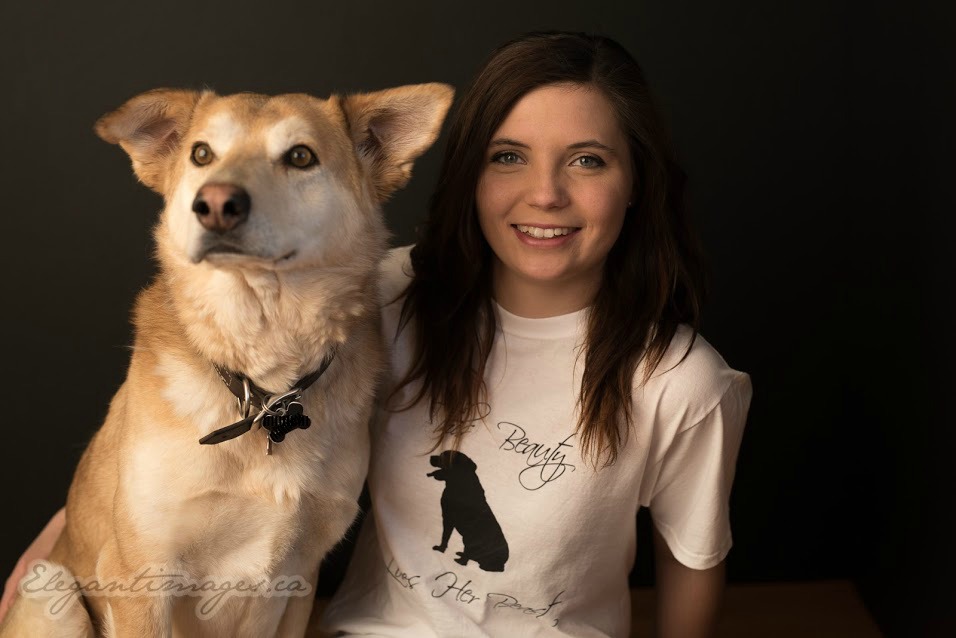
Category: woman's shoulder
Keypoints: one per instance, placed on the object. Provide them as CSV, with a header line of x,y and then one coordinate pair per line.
x,y
395,273
691,380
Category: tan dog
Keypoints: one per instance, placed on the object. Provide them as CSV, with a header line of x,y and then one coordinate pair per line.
x,y
268,248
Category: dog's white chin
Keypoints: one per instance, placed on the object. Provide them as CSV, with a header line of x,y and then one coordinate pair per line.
x,y
245,260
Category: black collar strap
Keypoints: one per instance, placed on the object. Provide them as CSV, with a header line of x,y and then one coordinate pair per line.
x,y
279,413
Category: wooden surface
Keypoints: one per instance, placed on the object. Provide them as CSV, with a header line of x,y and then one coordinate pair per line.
x,y
828,609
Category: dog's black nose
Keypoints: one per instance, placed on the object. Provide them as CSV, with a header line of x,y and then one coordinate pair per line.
x,y
221,207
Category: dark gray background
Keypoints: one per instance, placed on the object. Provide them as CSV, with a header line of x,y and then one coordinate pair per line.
x,y
819,141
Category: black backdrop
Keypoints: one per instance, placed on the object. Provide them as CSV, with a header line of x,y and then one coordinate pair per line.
x,y
819,141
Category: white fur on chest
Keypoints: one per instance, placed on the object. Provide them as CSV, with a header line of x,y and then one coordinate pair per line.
x,y
205,509
226,508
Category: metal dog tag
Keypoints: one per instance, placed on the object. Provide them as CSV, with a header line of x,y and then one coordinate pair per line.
x,y
279,425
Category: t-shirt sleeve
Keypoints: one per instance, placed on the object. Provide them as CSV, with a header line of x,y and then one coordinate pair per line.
x,y
690,500
395,273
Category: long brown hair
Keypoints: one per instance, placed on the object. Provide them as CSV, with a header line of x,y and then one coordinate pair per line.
x,y
653,276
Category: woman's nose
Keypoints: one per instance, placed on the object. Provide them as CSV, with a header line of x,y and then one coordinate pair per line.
x,y
546,189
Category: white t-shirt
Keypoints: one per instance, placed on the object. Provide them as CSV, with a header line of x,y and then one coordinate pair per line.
x,y
519,535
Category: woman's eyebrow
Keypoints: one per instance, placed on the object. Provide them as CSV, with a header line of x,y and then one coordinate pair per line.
x,y
592,144
505,141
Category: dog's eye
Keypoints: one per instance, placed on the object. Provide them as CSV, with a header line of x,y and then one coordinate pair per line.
x,y
201,154
301,157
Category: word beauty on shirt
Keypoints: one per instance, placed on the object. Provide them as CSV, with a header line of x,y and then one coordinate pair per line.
x,y
545,463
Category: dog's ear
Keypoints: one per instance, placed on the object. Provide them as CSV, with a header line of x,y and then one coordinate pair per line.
x,y
463,461
150,127
459,460
392,128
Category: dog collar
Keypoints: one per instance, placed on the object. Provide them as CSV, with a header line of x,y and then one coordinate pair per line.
x,y
279,414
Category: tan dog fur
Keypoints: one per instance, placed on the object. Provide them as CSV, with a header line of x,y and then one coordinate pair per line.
x,y
146,493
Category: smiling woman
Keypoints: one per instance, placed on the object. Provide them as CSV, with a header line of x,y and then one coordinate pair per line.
x,y
551,200
546,360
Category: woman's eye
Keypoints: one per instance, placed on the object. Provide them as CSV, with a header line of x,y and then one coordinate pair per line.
x,y
201,154
589,161
301,156
506,157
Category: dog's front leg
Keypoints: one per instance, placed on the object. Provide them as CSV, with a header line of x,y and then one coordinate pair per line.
x,y
298,610
131,611
137,616
446,529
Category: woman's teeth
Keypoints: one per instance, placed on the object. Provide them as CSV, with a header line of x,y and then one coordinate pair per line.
x,y
543,233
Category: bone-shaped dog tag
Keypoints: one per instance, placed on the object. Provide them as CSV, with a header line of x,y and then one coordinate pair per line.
x,y
280,425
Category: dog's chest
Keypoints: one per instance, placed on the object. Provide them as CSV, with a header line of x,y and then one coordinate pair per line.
x,y
227,509
218,513
235,537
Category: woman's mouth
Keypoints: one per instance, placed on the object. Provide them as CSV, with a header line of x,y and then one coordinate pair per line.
x,y
544,233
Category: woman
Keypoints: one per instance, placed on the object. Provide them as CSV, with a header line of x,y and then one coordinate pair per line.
x,y
546,328
547,377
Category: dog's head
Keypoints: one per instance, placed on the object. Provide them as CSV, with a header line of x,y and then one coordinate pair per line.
x,y
274,182
452,460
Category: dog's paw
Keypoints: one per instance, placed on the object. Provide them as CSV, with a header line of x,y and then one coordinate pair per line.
x,y
462,560
440,548
496,567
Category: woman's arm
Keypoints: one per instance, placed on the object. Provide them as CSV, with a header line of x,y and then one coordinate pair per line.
x,y
39,548
688,600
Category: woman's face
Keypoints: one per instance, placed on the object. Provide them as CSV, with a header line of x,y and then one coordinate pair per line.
x,y
552,195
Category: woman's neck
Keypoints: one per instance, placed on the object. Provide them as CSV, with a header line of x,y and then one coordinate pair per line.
x,y
536,299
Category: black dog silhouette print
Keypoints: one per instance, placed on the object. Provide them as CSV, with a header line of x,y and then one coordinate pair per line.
x,y
464,508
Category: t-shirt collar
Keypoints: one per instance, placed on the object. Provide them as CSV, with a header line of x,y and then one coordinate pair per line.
x,y
545,328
